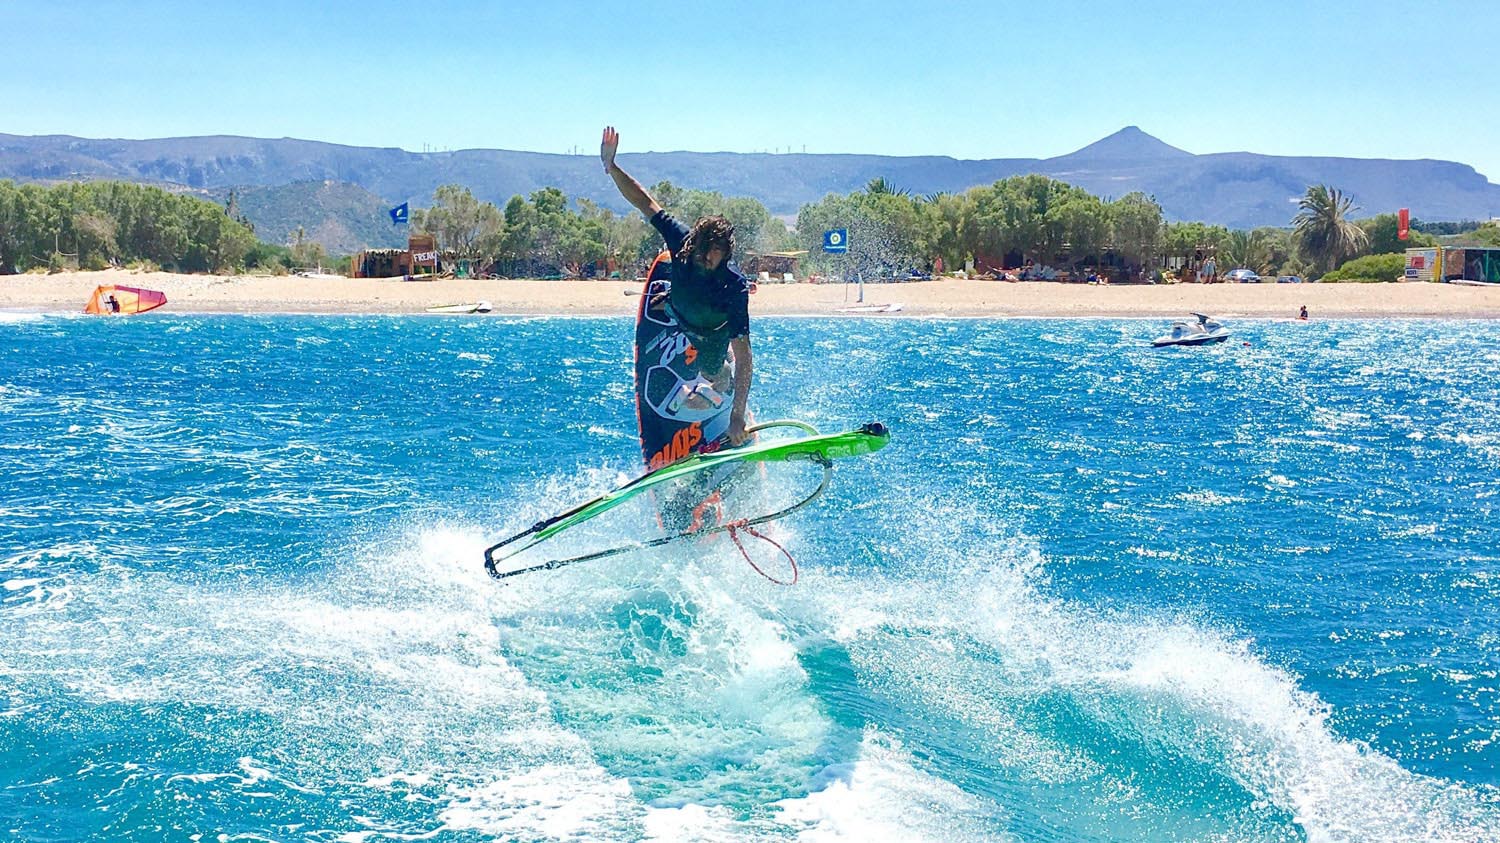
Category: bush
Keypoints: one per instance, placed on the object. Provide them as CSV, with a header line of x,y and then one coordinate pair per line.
x,y
1370,268
1296,266
115,219
269,257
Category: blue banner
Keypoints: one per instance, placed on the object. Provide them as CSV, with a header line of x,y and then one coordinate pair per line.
x,y
836,241
400,213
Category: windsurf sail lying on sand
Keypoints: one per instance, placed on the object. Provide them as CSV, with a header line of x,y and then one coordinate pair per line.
x,y
112,299
821,449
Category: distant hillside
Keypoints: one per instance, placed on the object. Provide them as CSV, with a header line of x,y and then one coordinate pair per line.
x,y
343,217
1236,189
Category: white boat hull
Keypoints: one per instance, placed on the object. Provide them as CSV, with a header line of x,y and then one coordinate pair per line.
x,y
475,307
1193,339
873,308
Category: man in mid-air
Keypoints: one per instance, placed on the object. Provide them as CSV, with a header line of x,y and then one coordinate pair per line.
x,y
710,297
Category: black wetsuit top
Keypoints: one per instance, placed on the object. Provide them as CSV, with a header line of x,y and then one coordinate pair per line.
x,y
712,307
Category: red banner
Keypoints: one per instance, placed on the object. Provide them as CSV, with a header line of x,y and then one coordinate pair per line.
x,y
1403,223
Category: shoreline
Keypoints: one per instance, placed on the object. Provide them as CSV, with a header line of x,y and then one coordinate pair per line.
x,y
942,298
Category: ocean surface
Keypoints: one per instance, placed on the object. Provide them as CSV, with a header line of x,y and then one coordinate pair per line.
x,y
1091,590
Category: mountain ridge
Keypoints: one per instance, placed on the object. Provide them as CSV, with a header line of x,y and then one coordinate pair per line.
x,y
1235,189
1128,144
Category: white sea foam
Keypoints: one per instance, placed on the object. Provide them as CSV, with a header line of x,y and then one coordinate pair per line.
x,y
549,801
980,643
883,795
661,694
384,672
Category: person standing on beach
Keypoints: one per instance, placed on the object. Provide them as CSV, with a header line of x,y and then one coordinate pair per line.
x,y
710,297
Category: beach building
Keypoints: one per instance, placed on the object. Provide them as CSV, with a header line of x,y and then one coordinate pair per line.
x,y
1454,264
420,257
776,265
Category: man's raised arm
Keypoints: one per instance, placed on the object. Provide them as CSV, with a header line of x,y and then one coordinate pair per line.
x,y
629,187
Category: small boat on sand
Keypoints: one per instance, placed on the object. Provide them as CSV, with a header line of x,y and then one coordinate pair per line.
x,y
473,307
894,307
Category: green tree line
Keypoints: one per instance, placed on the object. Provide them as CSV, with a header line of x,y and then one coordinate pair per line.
x,y
1031,217
96,224
540,235
891,232
1035,218
1046,221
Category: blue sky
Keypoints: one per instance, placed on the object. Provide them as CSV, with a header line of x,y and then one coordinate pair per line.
x,y
966,79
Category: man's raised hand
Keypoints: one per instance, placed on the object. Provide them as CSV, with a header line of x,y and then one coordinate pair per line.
x,y
608,146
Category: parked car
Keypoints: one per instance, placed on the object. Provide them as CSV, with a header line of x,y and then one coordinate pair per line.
x,y
1288,279
1241,276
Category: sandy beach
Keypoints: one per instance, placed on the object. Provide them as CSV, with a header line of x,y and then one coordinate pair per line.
x,y
67,292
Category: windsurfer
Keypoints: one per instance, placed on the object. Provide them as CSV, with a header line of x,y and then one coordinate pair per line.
x,y
710,297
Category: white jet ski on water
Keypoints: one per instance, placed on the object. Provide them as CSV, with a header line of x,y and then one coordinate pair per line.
x,y
1206,330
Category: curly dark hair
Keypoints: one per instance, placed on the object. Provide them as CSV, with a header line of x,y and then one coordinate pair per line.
x,y
706,234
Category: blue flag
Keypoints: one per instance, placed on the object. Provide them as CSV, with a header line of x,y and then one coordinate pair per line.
x,y
400,213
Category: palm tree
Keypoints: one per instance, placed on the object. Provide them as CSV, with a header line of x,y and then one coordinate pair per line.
x,y
879,186
1249,249
1324,230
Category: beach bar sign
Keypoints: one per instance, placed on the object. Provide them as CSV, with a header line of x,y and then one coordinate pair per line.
x,y
836,241
1421,264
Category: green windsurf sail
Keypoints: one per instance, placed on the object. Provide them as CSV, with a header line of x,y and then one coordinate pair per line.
x,y
821,449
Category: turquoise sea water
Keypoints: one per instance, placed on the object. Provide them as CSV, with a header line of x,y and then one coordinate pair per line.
x,y
1091,591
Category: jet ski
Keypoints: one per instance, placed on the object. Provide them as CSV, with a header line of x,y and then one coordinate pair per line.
x,y
1204,331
